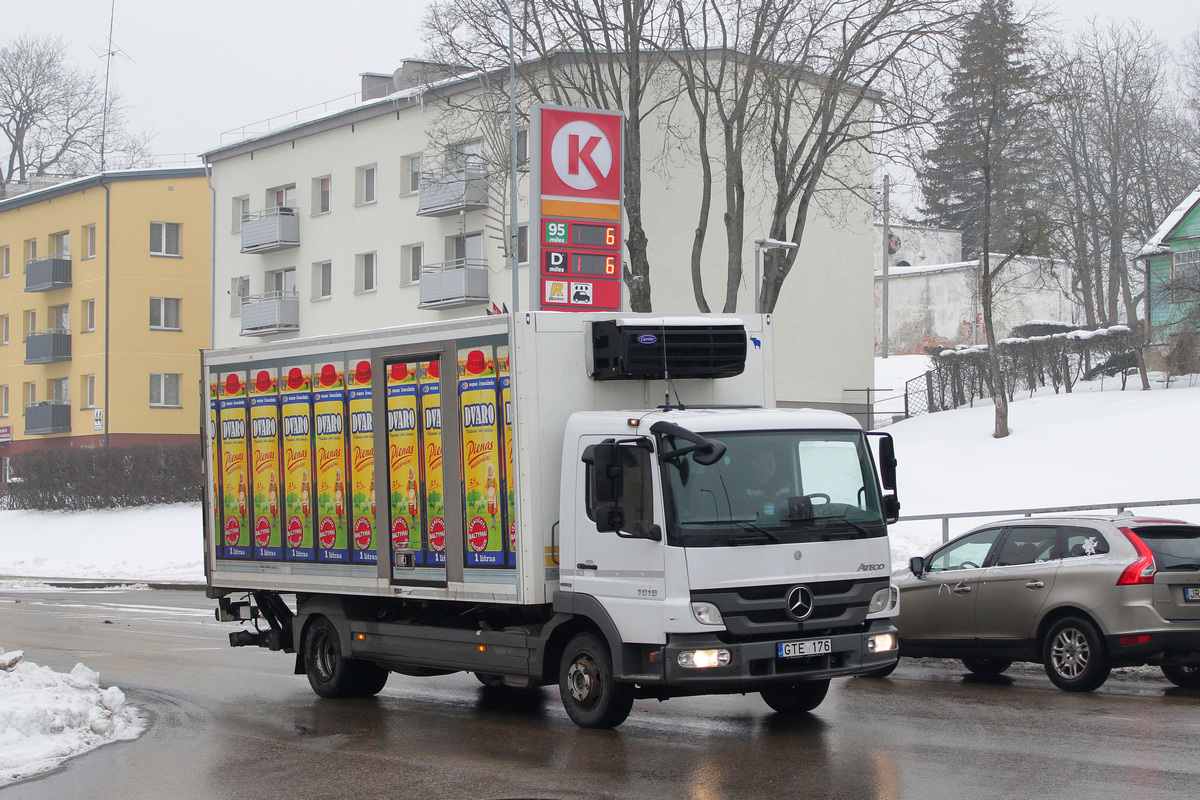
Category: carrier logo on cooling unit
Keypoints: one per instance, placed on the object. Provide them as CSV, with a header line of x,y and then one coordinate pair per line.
x,y
799,602
647,338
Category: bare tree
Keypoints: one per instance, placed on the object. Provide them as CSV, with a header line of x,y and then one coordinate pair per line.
x,y
847,75
593,53
52,114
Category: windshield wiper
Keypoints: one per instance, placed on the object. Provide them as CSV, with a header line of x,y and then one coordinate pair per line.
x,y
747,525
844,520
1182,568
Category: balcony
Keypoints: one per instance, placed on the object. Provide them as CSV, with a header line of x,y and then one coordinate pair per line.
x,y
454,284
452,192
48,416
48,273
273,312
46,347
270,230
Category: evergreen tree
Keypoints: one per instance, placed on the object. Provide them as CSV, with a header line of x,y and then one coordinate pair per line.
x,y
981,175
987,147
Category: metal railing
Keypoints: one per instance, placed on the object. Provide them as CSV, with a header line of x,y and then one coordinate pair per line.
x,y
1029,512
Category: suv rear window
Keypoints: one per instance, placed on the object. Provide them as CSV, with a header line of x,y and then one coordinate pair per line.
x,y
1173,545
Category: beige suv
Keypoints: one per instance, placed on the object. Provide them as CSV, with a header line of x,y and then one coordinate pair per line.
x,y
1081,595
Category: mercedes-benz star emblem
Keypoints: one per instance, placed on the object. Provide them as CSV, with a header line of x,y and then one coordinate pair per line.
x,y
799,602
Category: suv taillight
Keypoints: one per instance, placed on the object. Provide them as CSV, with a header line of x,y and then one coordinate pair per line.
x,y
1142,570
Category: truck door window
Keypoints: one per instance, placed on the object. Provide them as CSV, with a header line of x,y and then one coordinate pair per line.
x,y
637,497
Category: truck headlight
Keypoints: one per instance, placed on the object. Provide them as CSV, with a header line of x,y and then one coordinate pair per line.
x,y
703,659
707,614
881,643
883,600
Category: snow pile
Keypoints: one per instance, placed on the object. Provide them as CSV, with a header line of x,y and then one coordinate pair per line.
x,y
46,717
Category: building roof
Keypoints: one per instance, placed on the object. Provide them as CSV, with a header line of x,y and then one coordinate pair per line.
x,y
1154,245
90,181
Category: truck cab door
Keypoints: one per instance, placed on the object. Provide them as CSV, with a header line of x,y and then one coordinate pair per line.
x,y
622,569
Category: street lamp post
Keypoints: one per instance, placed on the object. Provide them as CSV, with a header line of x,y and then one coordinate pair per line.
x,y
512,154
759,246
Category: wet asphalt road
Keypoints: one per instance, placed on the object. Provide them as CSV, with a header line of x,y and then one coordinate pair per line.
x,y
231,723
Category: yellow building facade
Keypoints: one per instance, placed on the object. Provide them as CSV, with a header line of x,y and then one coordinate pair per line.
x,y
105,303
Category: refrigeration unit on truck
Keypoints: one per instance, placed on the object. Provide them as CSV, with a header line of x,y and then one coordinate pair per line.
x,y
609,503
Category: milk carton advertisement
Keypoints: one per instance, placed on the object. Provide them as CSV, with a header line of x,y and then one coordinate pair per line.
x,y
510,516
329,441
299,498
434,511
235,466
362,464
264,453
405,470
481,457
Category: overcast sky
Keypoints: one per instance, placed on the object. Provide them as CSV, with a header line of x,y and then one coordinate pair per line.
x,y
192,71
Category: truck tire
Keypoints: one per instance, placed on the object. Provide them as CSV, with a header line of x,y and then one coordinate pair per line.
x,y
331,674
585,682
798,697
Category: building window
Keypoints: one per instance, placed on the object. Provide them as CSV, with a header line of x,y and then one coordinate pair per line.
x,y
164,389
30,394
412,174
366,269
4,329
30,322
282,282
30,249
58,390
364,185
60,317
320,198
322,280
3,401
282,196
239,287
466,154
89,316
241,210
89,241
412,259
4,261
1185,275
89,391
164,238
164,313
60,244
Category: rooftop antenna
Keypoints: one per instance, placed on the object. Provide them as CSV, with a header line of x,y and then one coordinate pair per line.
x,y
108,56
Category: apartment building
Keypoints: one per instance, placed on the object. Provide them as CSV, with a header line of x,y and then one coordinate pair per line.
x,y
105,303
396,210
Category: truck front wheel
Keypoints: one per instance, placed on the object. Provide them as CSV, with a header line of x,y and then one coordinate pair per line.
x,y
585,682
330,673
792,698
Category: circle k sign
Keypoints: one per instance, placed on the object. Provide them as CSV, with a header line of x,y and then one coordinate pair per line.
x,y
581,154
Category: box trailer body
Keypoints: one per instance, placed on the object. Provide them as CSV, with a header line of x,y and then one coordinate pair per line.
x,y
541,498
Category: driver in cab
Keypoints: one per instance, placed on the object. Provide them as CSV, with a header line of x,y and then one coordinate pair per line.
x,y
766,487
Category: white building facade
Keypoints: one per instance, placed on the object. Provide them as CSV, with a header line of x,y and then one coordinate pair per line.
x,y
369,218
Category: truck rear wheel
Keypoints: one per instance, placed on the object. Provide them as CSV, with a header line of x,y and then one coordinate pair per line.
x,y
333,675
793,698
585,682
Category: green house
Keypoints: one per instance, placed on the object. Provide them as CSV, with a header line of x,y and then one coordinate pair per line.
x,y
1172,253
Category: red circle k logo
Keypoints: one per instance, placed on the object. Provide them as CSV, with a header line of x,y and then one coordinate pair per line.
x,y
581,154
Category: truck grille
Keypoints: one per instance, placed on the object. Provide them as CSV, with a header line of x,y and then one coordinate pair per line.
x,y
757,613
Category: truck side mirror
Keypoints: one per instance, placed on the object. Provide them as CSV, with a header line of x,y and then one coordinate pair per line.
x,y
607,473
887,462
891,508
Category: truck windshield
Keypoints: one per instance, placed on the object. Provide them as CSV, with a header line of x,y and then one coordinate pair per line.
x,y
775,486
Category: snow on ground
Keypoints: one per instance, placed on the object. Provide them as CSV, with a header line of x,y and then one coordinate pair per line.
x,y
891,374
46,717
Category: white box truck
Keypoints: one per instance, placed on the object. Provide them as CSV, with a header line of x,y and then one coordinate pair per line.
x,y
611,503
